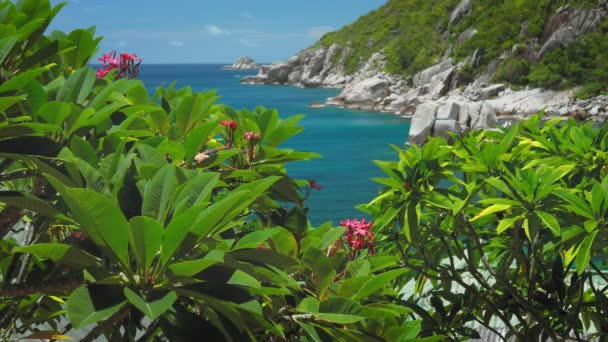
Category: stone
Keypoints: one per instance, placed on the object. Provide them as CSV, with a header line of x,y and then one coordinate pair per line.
x,y
443,127
424,77
459,12
243,63
594,111
367,90
466,35
487,117
448,111
423,122
491,91
412,97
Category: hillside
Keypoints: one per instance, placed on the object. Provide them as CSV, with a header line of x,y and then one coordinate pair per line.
x,y
516,56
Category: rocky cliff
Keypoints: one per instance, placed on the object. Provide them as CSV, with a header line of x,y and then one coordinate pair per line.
x,y
243,63
441,98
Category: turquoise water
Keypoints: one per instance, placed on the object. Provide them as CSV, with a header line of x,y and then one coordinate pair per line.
x,y
348,140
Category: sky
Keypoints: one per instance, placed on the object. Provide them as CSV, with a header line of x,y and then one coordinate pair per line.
x,y
203,31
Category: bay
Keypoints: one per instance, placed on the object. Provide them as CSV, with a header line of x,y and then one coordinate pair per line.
x,y
348,140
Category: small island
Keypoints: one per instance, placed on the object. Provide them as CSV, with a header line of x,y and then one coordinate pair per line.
x,y
243,63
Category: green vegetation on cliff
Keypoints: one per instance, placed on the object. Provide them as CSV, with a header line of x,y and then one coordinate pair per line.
x,y
415,34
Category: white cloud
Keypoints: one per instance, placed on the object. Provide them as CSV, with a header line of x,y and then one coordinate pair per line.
x,y
176,43
215,30
318,31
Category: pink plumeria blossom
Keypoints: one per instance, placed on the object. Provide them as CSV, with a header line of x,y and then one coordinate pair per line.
x,y
252,135
128,56
107,57
229,124
102,72
357,232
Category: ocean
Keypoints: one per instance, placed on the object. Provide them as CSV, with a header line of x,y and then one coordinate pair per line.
x,y
348,140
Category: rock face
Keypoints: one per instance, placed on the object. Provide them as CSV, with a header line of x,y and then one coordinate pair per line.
x,y
243,63
316,67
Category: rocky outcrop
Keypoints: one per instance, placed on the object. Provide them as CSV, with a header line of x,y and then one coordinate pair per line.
x,y
243,63
314,67
568,24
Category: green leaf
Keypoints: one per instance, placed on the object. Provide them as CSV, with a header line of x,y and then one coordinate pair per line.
x,y
6,46
241,278
55,112
82,311
146,237
47,335
77,87
154,309
7,101
159,192
34,204
191,267
23,79
61,253
195,191
578,204
550,221
491,210
254,239
583,255
318,262
378,282
197,138
506,223
177,230
101,220
340,310
330,237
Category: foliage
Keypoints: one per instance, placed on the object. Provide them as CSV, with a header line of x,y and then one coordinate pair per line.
x,y
584,62
513,70
165,217
503,226
466,74
408,31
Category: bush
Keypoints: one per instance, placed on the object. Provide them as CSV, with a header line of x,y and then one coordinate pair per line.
x,y
591,90
506,230
513,70
466,74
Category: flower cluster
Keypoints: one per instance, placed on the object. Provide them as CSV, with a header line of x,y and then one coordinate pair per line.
x,y
229,124
127,65
358,236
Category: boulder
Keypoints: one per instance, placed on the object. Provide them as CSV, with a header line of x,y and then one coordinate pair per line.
x,y
491,91
279,73
422,123
243,63
486,119
424,77
460,11
466,35
448,111
443,127
367,90
440,84
412,97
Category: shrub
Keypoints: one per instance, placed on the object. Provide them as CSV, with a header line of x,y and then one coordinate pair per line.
x,y
466,74
513,70
591,90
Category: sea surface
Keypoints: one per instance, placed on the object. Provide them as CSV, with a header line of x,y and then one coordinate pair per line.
x,y
348,140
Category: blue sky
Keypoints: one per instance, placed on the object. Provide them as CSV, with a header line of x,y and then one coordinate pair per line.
x,y
203,31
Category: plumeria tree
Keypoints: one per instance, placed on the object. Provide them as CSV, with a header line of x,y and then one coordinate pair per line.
x,y
134,216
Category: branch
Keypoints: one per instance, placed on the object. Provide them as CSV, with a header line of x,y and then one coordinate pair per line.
x,y
59,286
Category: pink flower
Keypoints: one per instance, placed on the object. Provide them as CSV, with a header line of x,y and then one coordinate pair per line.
x,y
251,135
113,63
102,72
229,123
356,234
314,185
128,56
106,57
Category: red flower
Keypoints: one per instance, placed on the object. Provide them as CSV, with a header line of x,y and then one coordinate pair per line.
x,y
229,123
102,72
356,234
314,185
113,63
107,57
251,135
127,56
